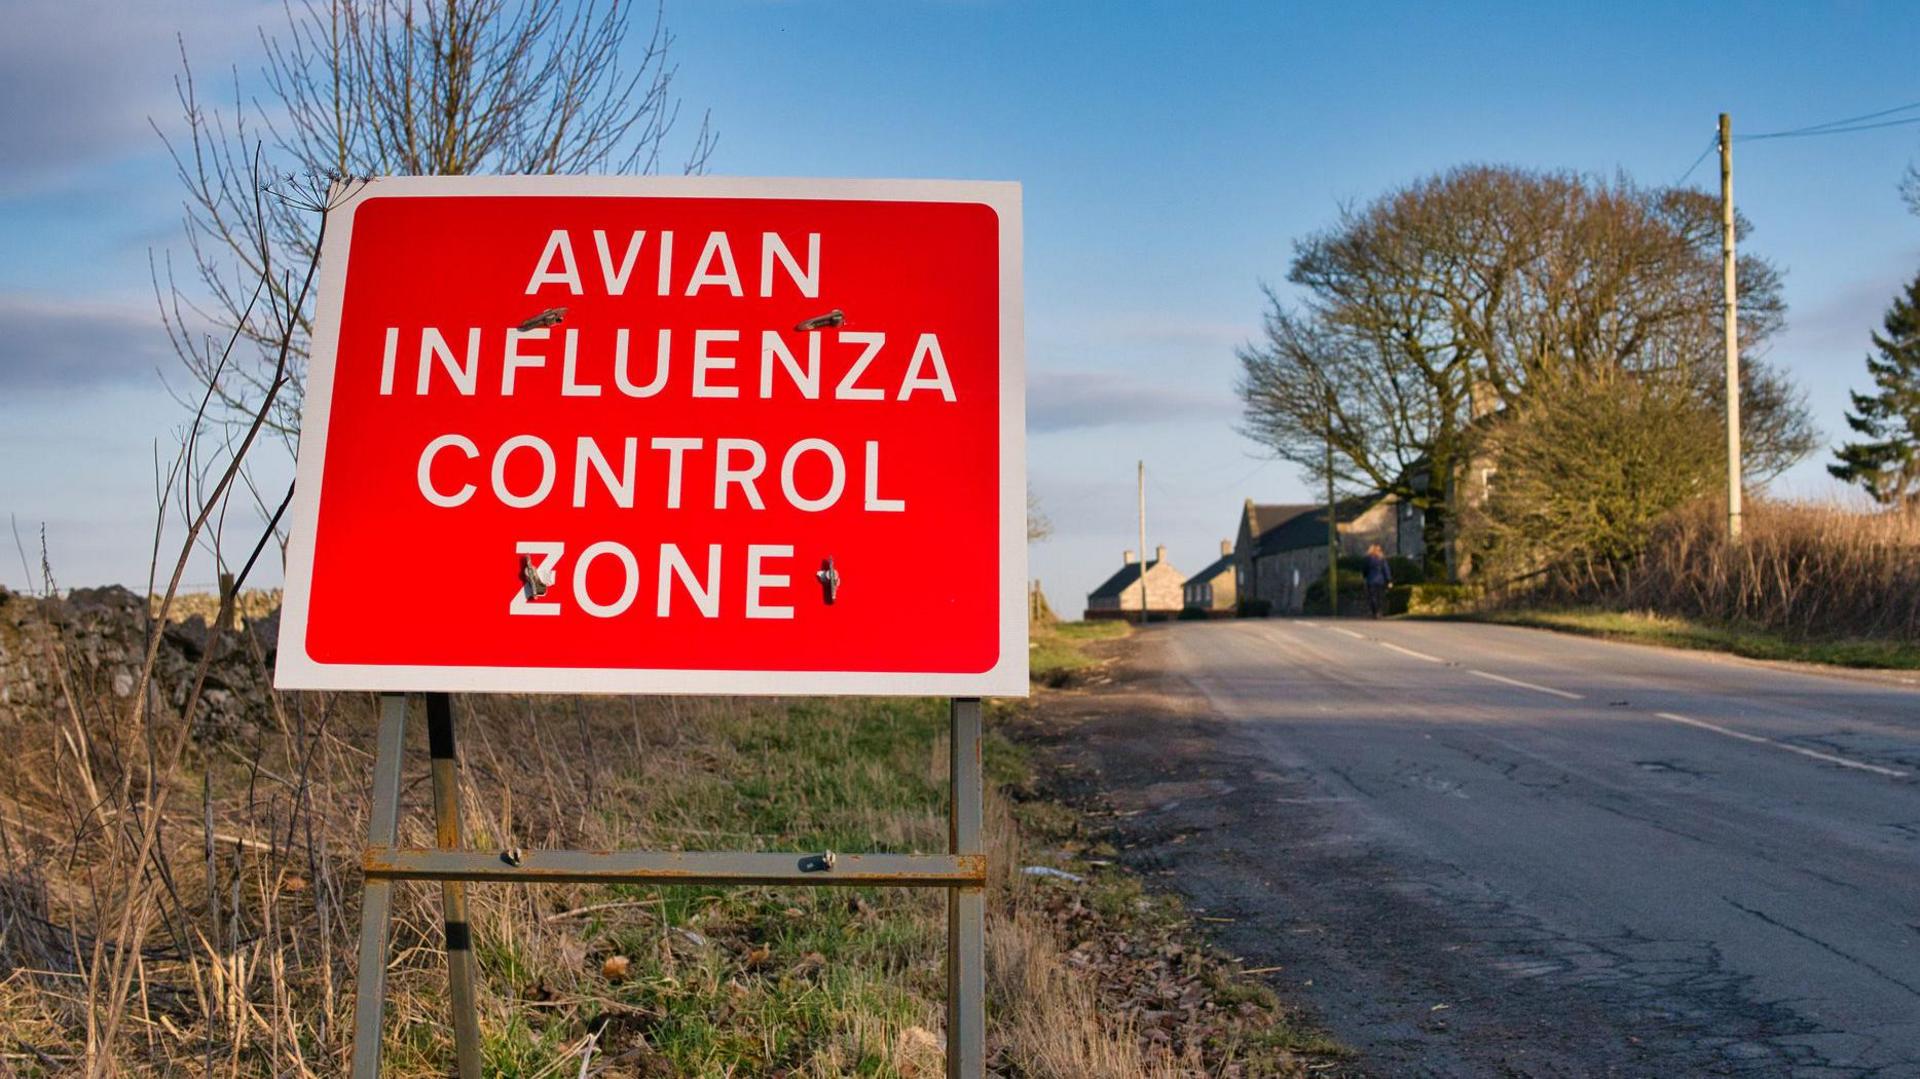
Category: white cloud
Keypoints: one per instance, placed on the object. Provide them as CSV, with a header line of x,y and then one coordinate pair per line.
x,y
53,343
80,78
1072,400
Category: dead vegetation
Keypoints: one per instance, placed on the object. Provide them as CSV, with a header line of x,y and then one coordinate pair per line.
x,y
233,929
1808,572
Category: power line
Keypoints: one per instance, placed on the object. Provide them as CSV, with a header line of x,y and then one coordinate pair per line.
x,y
1821,129
1828,131
1712,141
1845,126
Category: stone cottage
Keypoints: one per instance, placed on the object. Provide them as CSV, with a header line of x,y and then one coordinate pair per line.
x,y
1281,549
1212,589
1119,596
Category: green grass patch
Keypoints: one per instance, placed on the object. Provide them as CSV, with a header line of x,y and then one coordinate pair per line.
x,y
1058,650
1647,627
769,981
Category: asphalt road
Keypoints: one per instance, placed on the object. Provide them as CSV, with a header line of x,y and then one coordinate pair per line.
x,y
1489,850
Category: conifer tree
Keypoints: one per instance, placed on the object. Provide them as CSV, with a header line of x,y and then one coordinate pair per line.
x,y
1886,459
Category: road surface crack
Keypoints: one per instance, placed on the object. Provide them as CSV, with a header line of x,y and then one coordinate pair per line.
x,y
1821,944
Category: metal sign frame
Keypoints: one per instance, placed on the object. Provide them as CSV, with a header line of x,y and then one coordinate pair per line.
x,y
962,871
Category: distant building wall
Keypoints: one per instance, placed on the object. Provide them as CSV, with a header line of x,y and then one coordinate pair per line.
x,y
1213,588
1281,578
1165,591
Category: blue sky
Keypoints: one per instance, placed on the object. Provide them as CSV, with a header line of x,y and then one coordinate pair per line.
x,y
1171,154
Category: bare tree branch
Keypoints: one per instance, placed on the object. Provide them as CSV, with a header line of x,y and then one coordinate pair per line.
x,y
392,87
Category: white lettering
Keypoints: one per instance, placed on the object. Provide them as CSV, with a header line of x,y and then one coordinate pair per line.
x,y
659,365
847,390
434,347
757,580
587,452
703,362
807,381
515,359
928,347
673,564
549,553
772,246
666,264
500,457
616,279
876,504
703,275
386,360
725,475
838,484
676,449
425,472
569,387
627,592
562,245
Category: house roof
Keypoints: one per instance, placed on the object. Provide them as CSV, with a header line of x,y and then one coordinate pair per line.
x,y
1221,565
1263,516
1117,584
1294,527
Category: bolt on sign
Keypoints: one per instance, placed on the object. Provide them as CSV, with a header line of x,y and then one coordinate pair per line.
x,y
598,434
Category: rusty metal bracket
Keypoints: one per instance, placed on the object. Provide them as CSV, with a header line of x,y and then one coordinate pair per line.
x,y
962,871
677,867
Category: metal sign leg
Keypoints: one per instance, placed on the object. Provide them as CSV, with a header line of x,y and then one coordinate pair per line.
x,y
966,906
453,893
376,901
962,872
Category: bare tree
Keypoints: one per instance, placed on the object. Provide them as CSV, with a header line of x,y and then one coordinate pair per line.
x,y
397,87
133,773
1039,525
1439,306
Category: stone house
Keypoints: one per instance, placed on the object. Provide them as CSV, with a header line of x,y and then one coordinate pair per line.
x,y
1281,549
1119,595
1212,589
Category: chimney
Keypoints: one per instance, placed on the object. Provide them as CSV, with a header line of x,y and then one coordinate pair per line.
x,y
1160,553
1126,558
1226,548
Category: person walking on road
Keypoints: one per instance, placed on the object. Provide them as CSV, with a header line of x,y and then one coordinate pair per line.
x,y
1379,575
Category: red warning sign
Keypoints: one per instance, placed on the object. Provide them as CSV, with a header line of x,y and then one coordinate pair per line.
x,y
569,434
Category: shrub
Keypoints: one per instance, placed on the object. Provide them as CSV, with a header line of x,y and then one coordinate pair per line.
x,y
1353,596
1439,598
1804,571
1407,570
1255,608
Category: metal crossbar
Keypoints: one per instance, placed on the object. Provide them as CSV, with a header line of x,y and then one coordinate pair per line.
x,y
676,867
962,871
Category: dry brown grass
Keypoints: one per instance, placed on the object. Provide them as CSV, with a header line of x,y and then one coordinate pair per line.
x,y
1804,571
237,925
1059,1023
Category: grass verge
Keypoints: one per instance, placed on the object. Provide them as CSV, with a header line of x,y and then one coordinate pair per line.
x,y
248,968
1646,627
1058,650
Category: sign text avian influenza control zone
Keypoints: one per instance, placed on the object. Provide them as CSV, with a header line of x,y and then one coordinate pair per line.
x,y
571,434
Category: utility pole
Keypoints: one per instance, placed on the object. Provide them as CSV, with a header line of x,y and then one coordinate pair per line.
x,y
1731,318
1333,523
1142,474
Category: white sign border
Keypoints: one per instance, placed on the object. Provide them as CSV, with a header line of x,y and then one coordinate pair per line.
x,y
295,669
